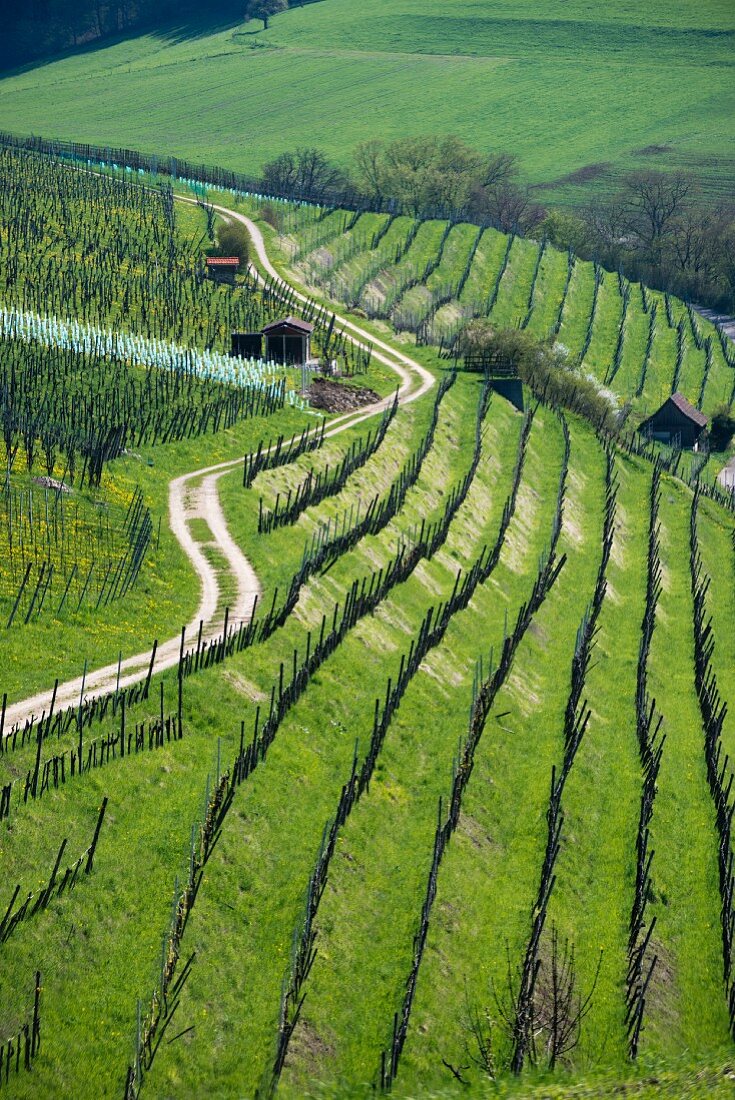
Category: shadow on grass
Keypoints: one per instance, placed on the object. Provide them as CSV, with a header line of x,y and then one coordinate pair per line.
x,y
187,28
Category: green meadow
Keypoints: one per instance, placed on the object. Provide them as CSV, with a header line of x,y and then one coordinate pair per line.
x,y
618,88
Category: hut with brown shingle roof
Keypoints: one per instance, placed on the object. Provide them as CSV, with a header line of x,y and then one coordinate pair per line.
x,y
677,422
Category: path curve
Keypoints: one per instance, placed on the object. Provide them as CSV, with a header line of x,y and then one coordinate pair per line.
x,y
194,495
722,320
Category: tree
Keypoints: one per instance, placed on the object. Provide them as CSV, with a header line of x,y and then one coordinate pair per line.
x,y
306,173
424,175
370,167
696,250
566,230
280,175
722,428
727,258
561,1009
653,201
498,168
498,197
317,176
542,365
557,1010
607,228
510,207
233,240
264,9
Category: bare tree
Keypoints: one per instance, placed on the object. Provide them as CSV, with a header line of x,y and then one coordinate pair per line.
x,y
726,248
498,168
369,162
479,1041
317,175
559,1009
696,245
498,196
281,174
653,201
552,1020
607,223
304,172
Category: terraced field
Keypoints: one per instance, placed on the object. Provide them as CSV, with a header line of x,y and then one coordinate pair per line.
x,y
428,278
350,826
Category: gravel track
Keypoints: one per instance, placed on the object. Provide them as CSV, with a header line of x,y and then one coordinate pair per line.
x,y
195,496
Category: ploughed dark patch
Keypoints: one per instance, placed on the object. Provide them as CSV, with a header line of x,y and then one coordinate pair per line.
x,y
652,150
586,174
339,396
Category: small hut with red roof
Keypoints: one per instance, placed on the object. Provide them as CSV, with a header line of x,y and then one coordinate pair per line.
x,y
223,269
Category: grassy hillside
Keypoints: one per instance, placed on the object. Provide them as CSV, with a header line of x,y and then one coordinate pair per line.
x,y
427,279
452,732
622,87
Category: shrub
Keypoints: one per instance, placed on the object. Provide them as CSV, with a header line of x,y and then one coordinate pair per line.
x,y
233,240
544,368
272,215
722,429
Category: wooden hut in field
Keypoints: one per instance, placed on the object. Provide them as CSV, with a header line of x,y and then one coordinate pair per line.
x,y
288,341
247,345
677,422
501,371
223,269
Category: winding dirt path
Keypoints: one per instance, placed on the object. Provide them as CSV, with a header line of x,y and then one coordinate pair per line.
x,y
195,496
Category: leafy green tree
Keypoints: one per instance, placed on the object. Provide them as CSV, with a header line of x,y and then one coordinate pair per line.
x,y
543,366
233,240
422,173
264,9
566,230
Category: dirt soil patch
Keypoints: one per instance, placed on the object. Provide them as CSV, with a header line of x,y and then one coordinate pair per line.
x,y
339,396
585,174
653,150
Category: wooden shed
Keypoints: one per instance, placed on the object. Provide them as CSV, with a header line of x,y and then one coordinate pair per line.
x,y
288,341
223,269
676,422
501,371
247,345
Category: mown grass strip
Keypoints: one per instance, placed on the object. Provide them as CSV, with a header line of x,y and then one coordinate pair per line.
x,y
680,1005
500,828
335,709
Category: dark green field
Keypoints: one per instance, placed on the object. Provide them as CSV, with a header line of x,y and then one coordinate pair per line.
x,y
598,92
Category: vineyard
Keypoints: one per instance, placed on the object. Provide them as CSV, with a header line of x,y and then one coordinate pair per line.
x,y
428,278
115,356
448,811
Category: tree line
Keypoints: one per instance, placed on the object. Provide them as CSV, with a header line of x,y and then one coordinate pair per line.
x,y
659,229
